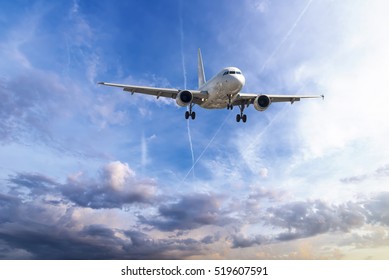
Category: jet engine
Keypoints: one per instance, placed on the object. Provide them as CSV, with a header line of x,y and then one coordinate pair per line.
x,y
262,102
184,98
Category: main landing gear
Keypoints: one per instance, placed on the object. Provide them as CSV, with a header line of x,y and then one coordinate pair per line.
x,y
241,116
190,113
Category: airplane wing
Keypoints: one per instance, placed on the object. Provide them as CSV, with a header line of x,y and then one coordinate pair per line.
x,y
198,96
248,98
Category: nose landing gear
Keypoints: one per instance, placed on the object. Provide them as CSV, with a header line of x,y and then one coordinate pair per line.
x,y
229,105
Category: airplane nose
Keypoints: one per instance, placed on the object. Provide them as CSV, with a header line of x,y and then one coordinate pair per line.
x,y
240,80
237,84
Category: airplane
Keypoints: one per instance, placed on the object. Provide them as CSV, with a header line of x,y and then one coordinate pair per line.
x,y
222,91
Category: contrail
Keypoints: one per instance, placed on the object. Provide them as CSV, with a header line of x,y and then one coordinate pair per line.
x,y
182,44
286,36
190,144
206,147
185,79
278,115
143,152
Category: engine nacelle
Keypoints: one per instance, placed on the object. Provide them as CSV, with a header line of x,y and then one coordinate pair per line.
x,y
184,98
262,102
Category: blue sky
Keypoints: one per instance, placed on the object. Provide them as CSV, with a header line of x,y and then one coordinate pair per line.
x,y
90,172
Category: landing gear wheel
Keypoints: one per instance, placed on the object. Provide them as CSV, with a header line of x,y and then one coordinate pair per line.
x,y
190,113
241,116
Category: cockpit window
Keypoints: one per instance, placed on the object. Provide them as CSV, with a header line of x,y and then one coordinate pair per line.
x,y
232,72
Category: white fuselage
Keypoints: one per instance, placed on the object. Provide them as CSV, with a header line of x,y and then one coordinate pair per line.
x,y
223,88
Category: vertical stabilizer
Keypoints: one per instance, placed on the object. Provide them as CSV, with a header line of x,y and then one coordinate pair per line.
x,y
200,70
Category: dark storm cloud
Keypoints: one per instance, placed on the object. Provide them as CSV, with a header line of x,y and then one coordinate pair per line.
x,y
190,212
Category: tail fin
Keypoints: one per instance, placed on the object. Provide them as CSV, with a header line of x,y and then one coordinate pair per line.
x,y
200,70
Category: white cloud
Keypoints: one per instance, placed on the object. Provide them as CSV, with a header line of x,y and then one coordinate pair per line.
x,y
117,174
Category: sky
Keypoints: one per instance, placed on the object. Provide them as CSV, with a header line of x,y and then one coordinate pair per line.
x,y
92,172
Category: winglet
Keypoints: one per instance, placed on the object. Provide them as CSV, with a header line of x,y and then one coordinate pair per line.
x,y
200,70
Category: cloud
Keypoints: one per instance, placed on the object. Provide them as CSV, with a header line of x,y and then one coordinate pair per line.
x,y
190,212
40,218
210,239
380,172
37,184
116,174
8,208
116,187
39,241
304,219
378,208
240,241
143,246
26,234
